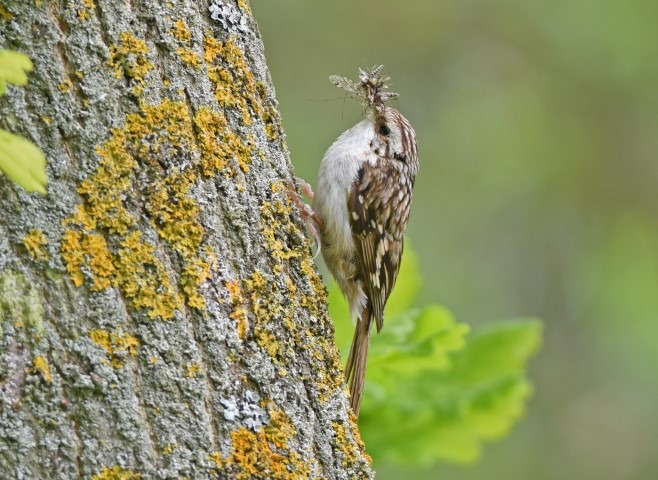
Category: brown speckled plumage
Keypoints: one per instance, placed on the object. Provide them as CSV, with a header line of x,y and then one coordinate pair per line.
x,y
364,197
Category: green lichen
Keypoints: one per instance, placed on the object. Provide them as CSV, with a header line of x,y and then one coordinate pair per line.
x,y
20,304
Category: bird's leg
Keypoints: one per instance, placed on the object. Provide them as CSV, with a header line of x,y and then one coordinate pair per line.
x,y
311,218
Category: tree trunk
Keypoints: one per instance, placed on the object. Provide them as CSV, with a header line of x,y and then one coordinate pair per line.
x,y
160,314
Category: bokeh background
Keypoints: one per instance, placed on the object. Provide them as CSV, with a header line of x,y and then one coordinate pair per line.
x,y
537,125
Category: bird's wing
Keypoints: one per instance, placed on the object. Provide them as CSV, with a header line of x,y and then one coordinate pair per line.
x,y
378,217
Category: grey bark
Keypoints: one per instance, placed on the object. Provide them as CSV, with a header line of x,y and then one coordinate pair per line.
x,y
160,315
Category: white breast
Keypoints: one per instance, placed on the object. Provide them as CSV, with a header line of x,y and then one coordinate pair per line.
x,y
339,168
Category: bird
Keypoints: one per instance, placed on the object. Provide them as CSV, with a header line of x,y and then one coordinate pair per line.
x,y
361,206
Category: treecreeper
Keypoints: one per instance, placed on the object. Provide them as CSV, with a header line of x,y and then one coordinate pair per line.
x,y
361,209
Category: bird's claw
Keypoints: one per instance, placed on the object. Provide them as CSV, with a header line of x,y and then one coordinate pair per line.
x,y
311,218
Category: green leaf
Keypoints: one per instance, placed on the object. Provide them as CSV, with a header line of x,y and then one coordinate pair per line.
x,y
420,340
23,162
13,69
422,415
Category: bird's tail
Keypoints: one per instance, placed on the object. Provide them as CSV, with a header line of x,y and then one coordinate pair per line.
x,y
355,369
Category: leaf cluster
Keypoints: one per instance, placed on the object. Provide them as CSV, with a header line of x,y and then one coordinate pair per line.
x,y
20,159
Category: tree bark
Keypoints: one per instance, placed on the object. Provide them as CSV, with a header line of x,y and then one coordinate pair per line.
x,y
160,314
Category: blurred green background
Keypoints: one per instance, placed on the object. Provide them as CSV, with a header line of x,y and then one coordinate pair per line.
x,y
537,126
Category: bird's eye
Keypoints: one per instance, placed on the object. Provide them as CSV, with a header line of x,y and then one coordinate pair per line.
x,y
384,130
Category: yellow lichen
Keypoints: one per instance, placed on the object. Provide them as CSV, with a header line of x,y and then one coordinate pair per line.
x,y
101,243
105,189
270,114
143,279
272,123
279,430
129,58
157,130
157,126
169,448
266,306
356,433
244,6
35,242
40,366
234,83
351,450
116,473
117,345
5,14
84,9
65,86
277,303
181,32
73,256
211,48
239,313
313,301
277,228
195,272
220,147
192,369
84,14
271,229
100,261
264,454
176,217
189,57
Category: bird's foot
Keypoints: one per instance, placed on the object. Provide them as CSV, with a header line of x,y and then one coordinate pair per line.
x,y
311,218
